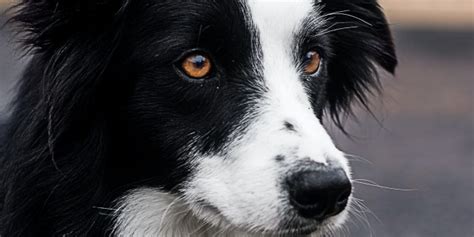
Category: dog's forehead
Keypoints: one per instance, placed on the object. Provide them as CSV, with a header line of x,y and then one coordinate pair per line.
x,y
279,20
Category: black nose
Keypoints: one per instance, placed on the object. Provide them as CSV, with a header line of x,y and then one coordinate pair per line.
x,y
319,194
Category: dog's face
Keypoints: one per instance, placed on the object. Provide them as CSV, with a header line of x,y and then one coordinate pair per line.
x,y
187,116
227,102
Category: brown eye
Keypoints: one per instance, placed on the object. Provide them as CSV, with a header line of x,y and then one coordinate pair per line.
x,y
312,62
196,65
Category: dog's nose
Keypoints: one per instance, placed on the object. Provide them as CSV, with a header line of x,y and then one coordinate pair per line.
x,y
319,194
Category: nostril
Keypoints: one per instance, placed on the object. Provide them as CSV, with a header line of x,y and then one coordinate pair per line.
x,y
344,198
341,202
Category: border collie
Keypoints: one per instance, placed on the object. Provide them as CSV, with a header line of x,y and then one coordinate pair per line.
x,y
185,118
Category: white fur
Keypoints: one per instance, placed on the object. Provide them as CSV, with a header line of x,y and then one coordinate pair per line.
x,y
149,212
244,181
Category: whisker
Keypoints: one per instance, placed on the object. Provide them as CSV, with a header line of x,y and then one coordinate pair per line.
x,y
345,13
354,17
373,184
333,13
360,212
364,209
336,30
367,210
106,208
358,158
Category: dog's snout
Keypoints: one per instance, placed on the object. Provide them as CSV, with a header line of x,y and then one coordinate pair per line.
x,y
319,194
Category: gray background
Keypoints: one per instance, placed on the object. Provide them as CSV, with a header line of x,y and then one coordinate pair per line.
x,y
423,141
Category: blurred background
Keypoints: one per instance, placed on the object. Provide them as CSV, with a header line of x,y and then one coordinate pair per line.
x,y
419,148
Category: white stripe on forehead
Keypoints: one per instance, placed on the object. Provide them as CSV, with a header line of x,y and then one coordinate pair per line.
x,y
279,18
286,98
277,23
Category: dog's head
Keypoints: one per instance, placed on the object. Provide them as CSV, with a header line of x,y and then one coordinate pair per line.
x,y
222,101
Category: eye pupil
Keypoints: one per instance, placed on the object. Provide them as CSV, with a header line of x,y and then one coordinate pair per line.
x,y
198,61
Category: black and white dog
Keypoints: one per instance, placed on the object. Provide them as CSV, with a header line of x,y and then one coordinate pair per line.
x,y
185,118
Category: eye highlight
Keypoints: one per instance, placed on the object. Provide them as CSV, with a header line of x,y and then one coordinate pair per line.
x,y
312,62
196,65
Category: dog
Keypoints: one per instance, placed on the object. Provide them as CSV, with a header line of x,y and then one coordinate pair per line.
x,y
186,118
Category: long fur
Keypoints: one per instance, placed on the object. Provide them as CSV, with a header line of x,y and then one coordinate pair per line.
x,y
58,143
51,162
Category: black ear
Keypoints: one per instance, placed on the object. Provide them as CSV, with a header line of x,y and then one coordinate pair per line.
x,y
57,126
361,40
73,43
45,23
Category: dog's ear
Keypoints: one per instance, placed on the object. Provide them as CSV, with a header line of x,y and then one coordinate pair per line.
x,y
361,40
74,42
45,23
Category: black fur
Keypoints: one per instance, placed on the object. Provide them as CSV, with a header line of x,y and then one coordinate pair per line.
x,y
356,53
100,109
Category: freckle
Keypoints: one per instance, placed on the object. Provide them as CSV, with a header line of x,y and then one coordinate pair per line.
x,y
279,158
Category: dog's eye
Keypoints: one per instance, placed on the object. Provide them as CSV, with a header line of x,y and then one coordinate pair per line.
x,y
312,62
196,65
